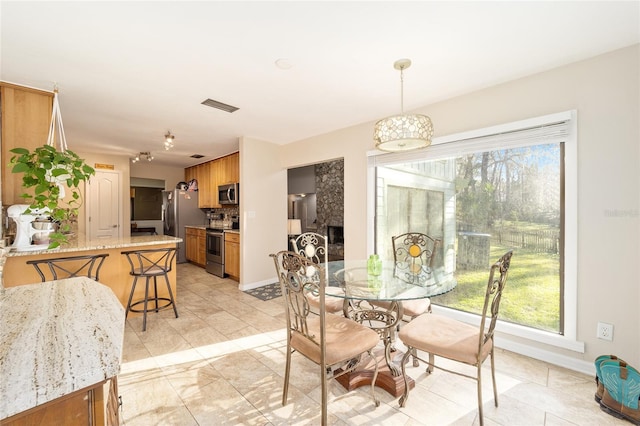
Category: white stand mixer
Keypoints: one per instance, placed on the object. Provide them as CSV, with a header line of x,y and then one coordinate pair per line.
x,y
25,228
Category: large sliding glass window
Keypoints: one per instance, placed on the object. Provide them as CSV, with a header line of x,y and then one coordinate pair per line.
x,y
482,197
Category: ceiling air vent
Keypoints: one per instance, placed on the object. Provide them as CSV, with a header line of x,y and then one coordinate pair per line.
x,y
196,156
219,105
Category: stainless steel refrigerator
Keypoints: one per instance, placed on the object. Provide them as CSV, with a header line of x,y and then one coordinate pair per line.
x,y
180,209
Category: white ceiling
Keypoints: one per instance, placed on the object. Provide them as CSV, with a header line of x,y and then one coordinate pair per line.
x,y
129,71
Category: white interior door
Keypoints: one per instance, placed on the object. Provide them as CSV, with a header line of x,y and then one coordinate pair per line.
x,y
104,218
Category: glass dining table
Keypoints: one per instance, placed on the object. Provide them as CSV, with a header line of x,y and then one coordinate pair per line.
x,y
376,300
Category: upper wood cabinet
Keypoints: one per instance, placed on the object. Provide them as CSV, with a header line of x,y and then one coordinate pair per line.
x,y
190,173
211,174
24,121
205,198
228,169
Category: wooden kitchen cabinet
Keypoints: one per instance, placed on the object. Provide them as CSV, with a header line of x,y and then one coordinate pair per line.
x,y
25,116
196,246
190,244
232,168
205,191
86,407
232,255
226,170
206,188
190,173
201,255
211,174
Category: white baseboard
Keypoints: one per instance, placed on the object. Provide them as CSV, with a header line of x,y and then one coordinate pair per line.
x,y
251,286
546,356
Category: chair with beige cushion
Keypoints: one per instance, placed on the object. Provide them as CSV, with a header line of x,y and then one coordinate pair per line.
x,y
315,248
413,254
336,344
442,336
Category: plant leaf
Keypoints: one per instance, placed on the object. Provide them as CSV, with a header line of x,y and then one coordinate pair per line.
x,y
41,188
58,171
20,151
20,168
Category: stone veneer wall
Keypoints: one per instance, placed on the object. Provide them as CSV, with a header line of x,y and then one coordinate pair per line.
x,y
330,200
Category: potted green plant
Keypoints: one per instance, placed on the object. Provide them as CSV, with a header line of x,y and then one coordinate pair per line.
x,y
48,170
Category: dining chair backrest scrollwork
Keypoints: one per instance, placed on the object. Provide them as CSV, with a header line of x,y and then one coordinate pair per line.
x,y
459,341
312,246
414,255
315,248
69,267
336,344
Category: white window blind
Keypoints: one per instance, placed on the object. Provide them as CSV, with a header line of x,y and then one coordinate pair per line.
x,y
540,130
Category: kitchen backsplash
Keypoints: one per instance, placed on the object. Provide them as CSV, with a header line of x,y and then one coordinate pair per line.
x,y
223,218
230,211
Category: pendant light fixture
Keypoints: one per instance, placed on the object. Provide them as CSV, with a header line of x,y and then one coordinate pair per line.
x,y
403,132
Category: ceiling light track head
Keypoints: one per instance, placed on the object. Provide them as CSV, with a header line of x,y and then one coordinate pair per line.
x,y
146,155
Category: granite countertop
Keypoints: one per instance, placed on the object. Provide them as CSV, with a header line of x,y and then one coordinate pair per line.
x,y
81,243
56,338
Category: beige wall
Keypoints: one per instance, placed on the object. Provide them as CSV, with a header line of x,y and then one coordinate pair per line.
x,y
263,211
171,175
604,90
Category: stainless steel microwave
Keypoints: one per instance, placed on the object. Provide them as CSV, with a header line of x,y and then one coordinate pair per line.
x,y
229,194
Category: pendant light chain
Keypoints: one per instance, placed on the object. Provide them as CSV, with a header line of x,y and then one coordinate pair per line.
x,y
402,90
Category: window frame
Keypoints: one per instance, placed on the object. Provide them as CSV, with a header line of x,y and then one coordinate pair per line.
x,y
498,137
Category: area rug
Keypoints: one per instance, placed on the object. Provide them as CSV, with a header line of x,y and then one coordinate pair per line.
x,y
267,292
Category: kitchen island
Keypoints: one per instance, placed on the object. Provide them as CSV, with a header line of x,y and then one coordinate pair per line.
x,y
60,352
115,270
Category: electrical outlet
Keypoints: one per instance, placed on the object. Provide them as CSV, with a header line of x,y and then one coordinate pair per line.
x,y
605,331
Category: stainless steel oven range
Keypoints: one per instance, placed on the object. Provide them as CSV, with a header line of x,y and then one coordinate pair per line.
x,y
215,252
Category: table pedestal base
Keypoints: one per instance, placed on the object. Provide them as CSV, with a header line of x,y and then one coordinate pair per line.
x,y
364,374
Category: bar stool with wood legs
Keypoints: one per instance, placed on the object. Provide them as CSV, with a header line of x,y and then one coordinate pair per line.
x,y
151,263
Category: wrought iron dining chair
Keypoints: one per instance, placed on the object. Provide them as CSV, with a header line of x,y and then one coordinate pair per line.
x,y
69,267
336,344
315,247
458,341
414,255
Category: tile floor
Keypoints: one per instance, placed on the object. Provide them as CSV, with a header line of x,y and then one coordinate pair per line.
x,y
222,362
